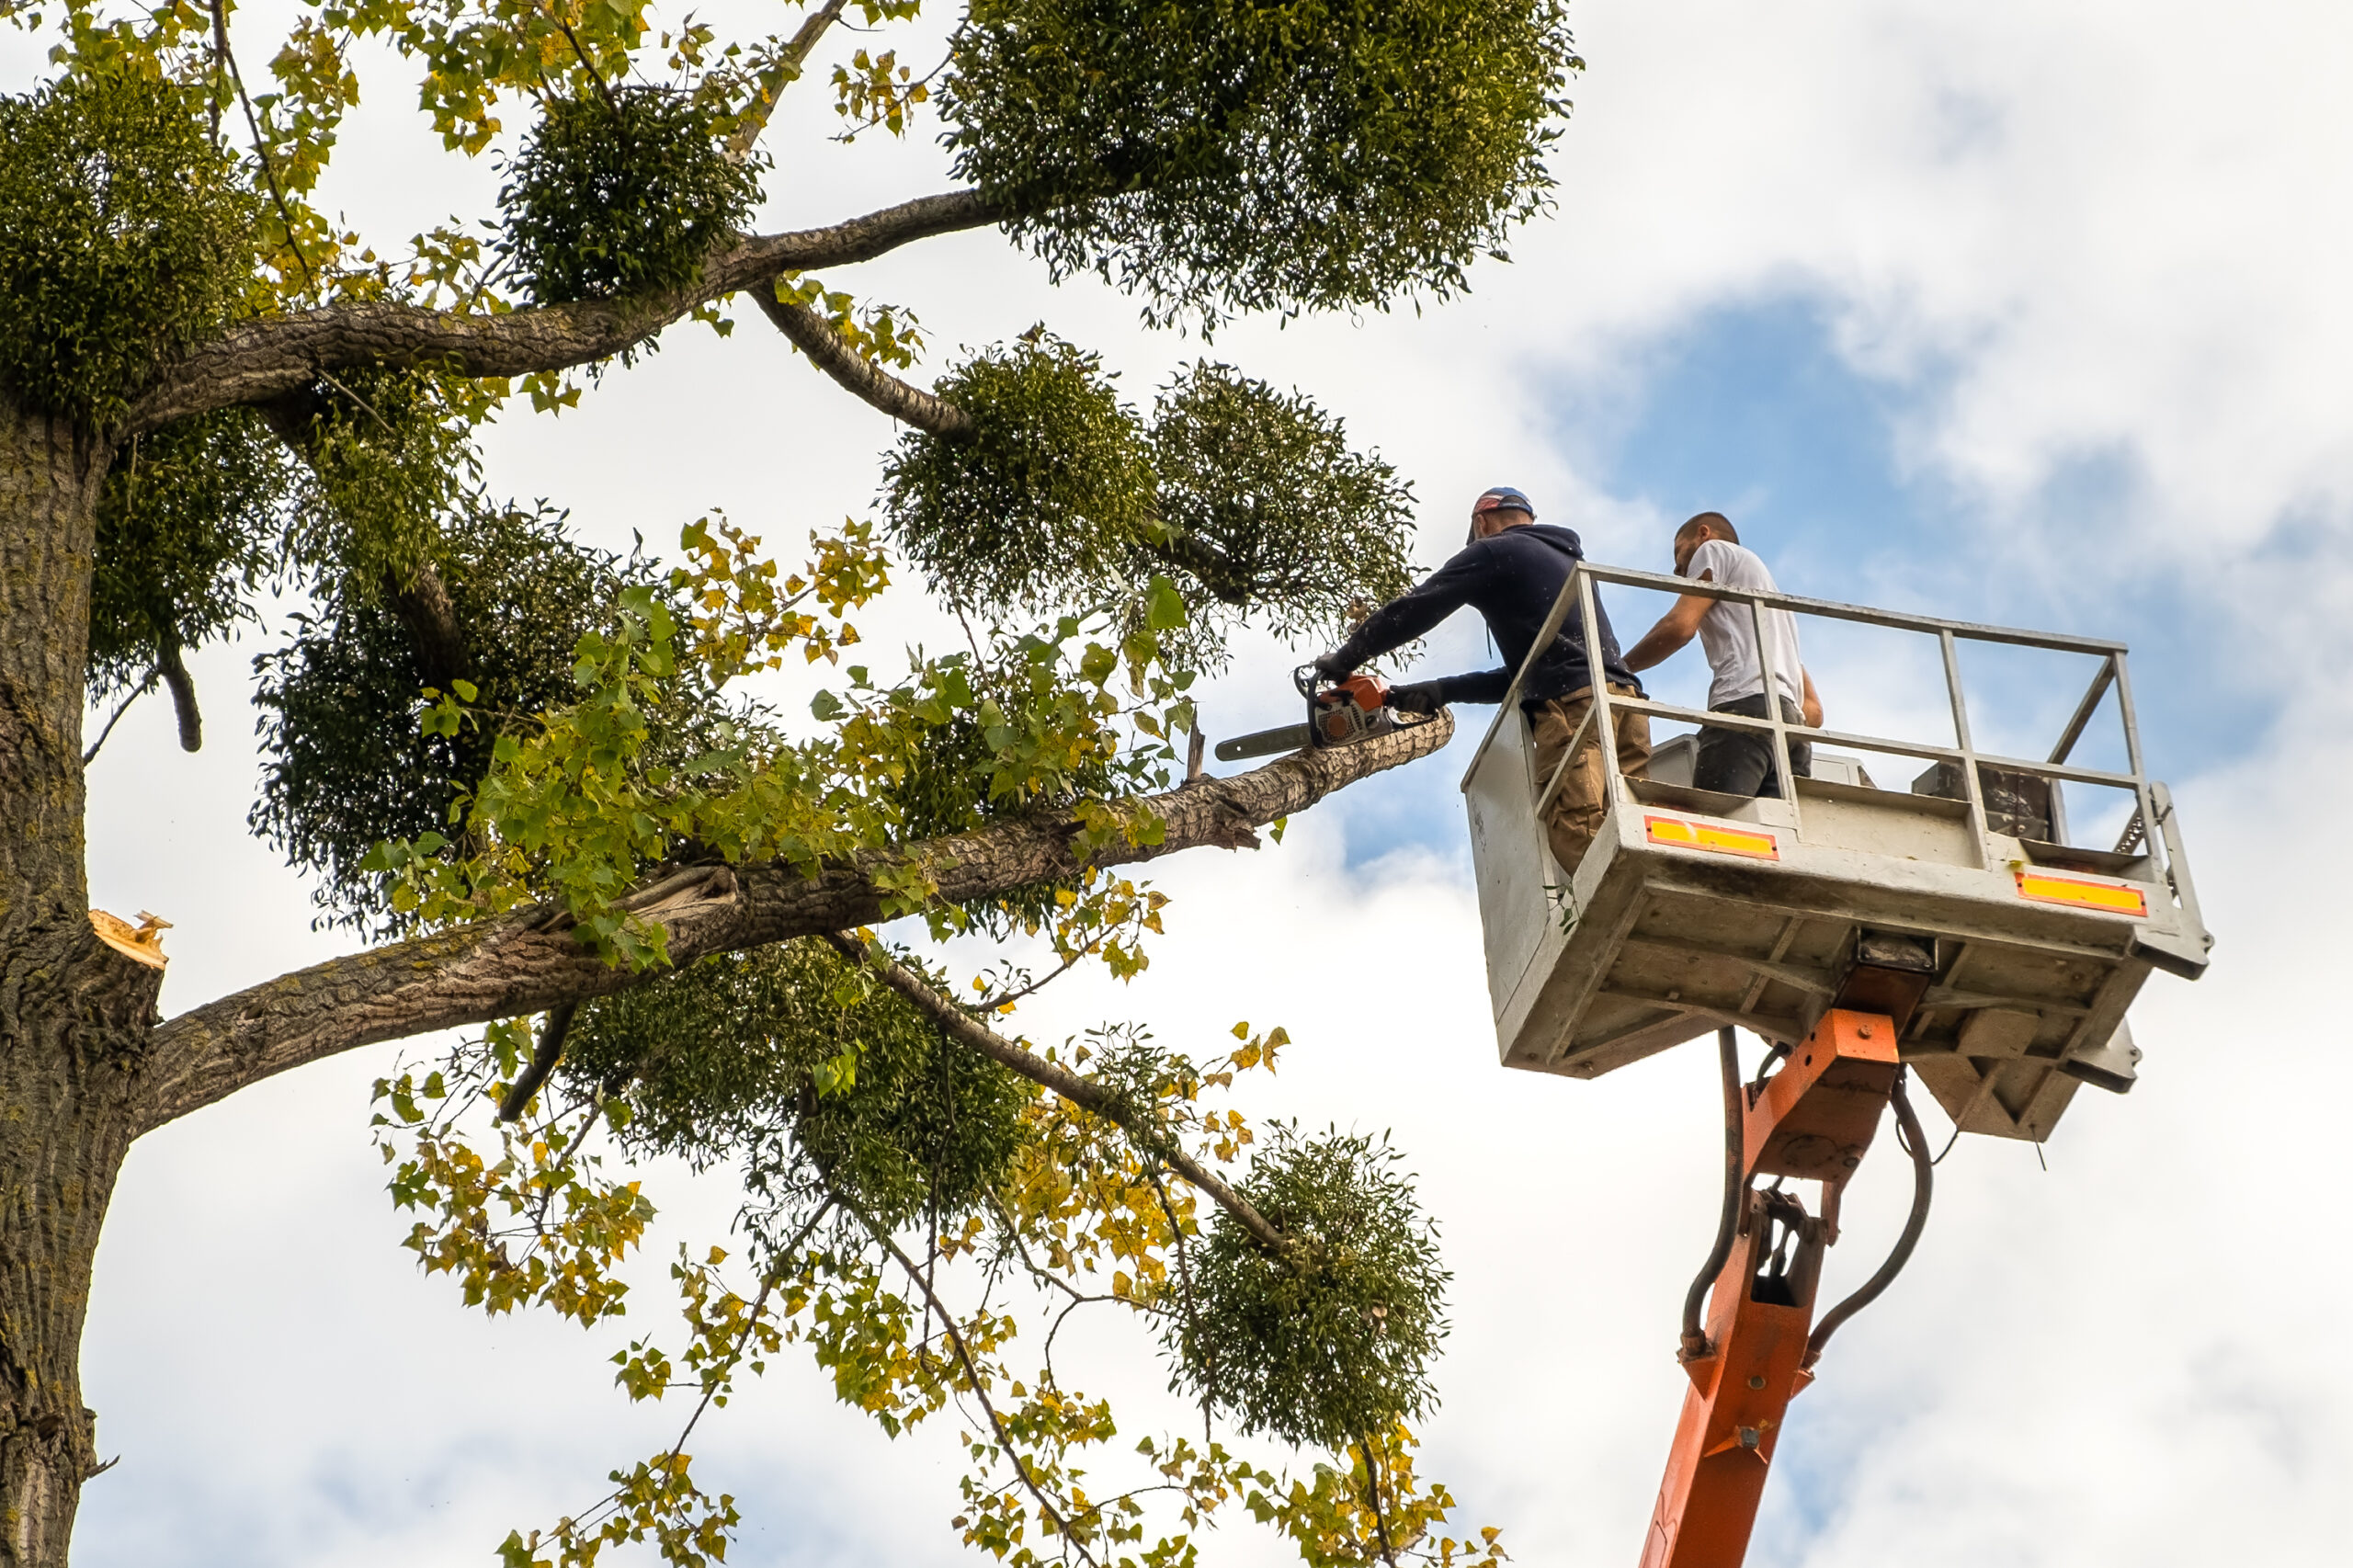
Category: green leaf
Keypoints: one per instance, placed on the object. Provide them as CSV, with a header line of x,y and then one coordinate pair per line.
x,y
1165,607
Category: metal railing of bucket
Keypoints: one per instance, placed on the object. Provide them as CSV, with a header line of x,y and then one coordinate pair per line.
x,y
2152,803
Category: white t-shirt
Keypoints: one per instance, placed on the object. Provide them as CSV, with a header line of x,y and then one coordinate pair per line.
x,y
1728,631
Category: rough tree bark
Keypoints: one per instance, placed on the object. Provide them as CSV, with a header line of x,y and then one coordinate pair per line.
x,y
74,1014
265,358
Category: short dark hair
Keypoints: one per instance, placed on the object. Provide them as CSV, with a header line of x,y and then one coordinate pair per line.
x,y
1716,520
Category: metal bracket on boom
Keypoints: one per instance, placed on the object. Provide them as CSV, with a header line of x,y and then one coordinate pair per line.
x,y
1814,1119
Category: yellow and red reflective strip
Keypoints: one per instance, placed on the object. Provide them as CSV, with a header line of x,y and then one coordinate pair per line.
x,y
1682,834
2079,892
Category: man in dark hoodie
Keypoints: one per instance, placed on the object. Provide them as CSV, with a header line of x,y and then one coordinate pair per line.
x,y
1510,572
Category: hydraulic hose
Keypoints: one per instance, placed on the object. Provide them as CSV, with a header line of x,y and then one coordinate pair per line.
x,y
1923,1180
1694,1334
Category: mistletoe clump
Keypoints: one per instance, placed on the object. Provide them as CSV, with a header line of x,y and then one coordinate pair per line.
x,y
1331,1342
1061,498
1048,501
1227,155
621,192
347,764
1270,510
187,527
388,458
198,513
124,235
814,1077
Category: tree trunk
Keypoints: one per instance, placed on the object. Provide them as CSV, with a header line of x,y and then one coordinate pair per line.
x,y
74,1019
74,1014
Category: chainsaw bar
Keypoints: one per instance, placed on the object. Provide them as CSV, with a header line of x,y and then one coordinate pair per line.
x,y
1266,743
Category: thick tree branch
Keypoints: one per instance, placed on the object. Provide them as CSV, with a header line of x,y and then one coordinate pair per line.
x,y
523,963
182,686
265,358
1084,1093
427,614
830,352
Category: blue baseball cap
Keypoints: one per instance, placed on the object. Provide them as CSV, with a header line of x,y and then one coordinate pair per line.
x,y
1501,498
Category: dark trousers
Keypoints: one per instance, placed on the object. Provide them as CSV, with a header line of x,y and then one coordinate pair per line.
x,y
1740,762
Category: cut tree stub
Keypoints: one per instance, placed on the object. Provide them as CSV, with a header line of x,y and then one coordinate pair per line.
x,y
144,941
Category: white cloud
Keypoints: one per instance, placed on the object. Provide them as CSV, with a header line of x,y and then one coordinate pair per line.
x,y
2101,222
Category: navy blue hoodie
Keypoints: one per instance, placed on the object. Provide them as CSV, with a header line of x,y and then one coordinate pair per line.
x,y
1512,580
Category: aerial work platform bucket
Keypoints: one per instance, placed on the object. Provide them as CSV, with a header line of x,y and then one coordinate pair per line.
x,y
2005,956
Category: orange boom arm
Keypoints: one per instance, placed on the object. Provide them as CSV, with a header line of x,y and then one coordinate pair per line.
x,y
1814,1119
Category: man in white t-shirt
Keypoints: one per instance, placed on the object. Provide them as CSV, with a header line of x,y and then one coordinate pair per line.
x,y
1737,762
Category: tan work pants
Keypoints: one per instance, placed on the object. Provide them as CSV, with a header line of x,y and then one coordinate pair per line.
x,y
1574,817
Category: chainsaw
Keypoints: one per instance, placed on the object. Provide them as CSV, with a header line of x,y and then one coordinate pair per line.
x,y
1353,710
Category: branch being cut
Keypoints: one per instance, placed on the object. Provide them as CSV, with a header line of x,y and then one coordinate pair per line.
x,y
266,357
1084,1093
522,963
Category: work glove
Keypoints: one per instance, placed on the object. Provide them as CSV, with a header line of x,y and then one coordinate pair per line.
x,y
1419,696
1332,666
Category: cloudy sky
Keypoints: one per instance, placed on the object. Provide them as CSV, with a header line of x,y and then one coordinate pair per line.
x,y
2019,313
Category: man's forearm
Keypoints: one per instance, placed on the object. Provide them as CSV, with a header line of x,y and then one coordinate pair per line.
x,y
1482,685
1660,644
1674,629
